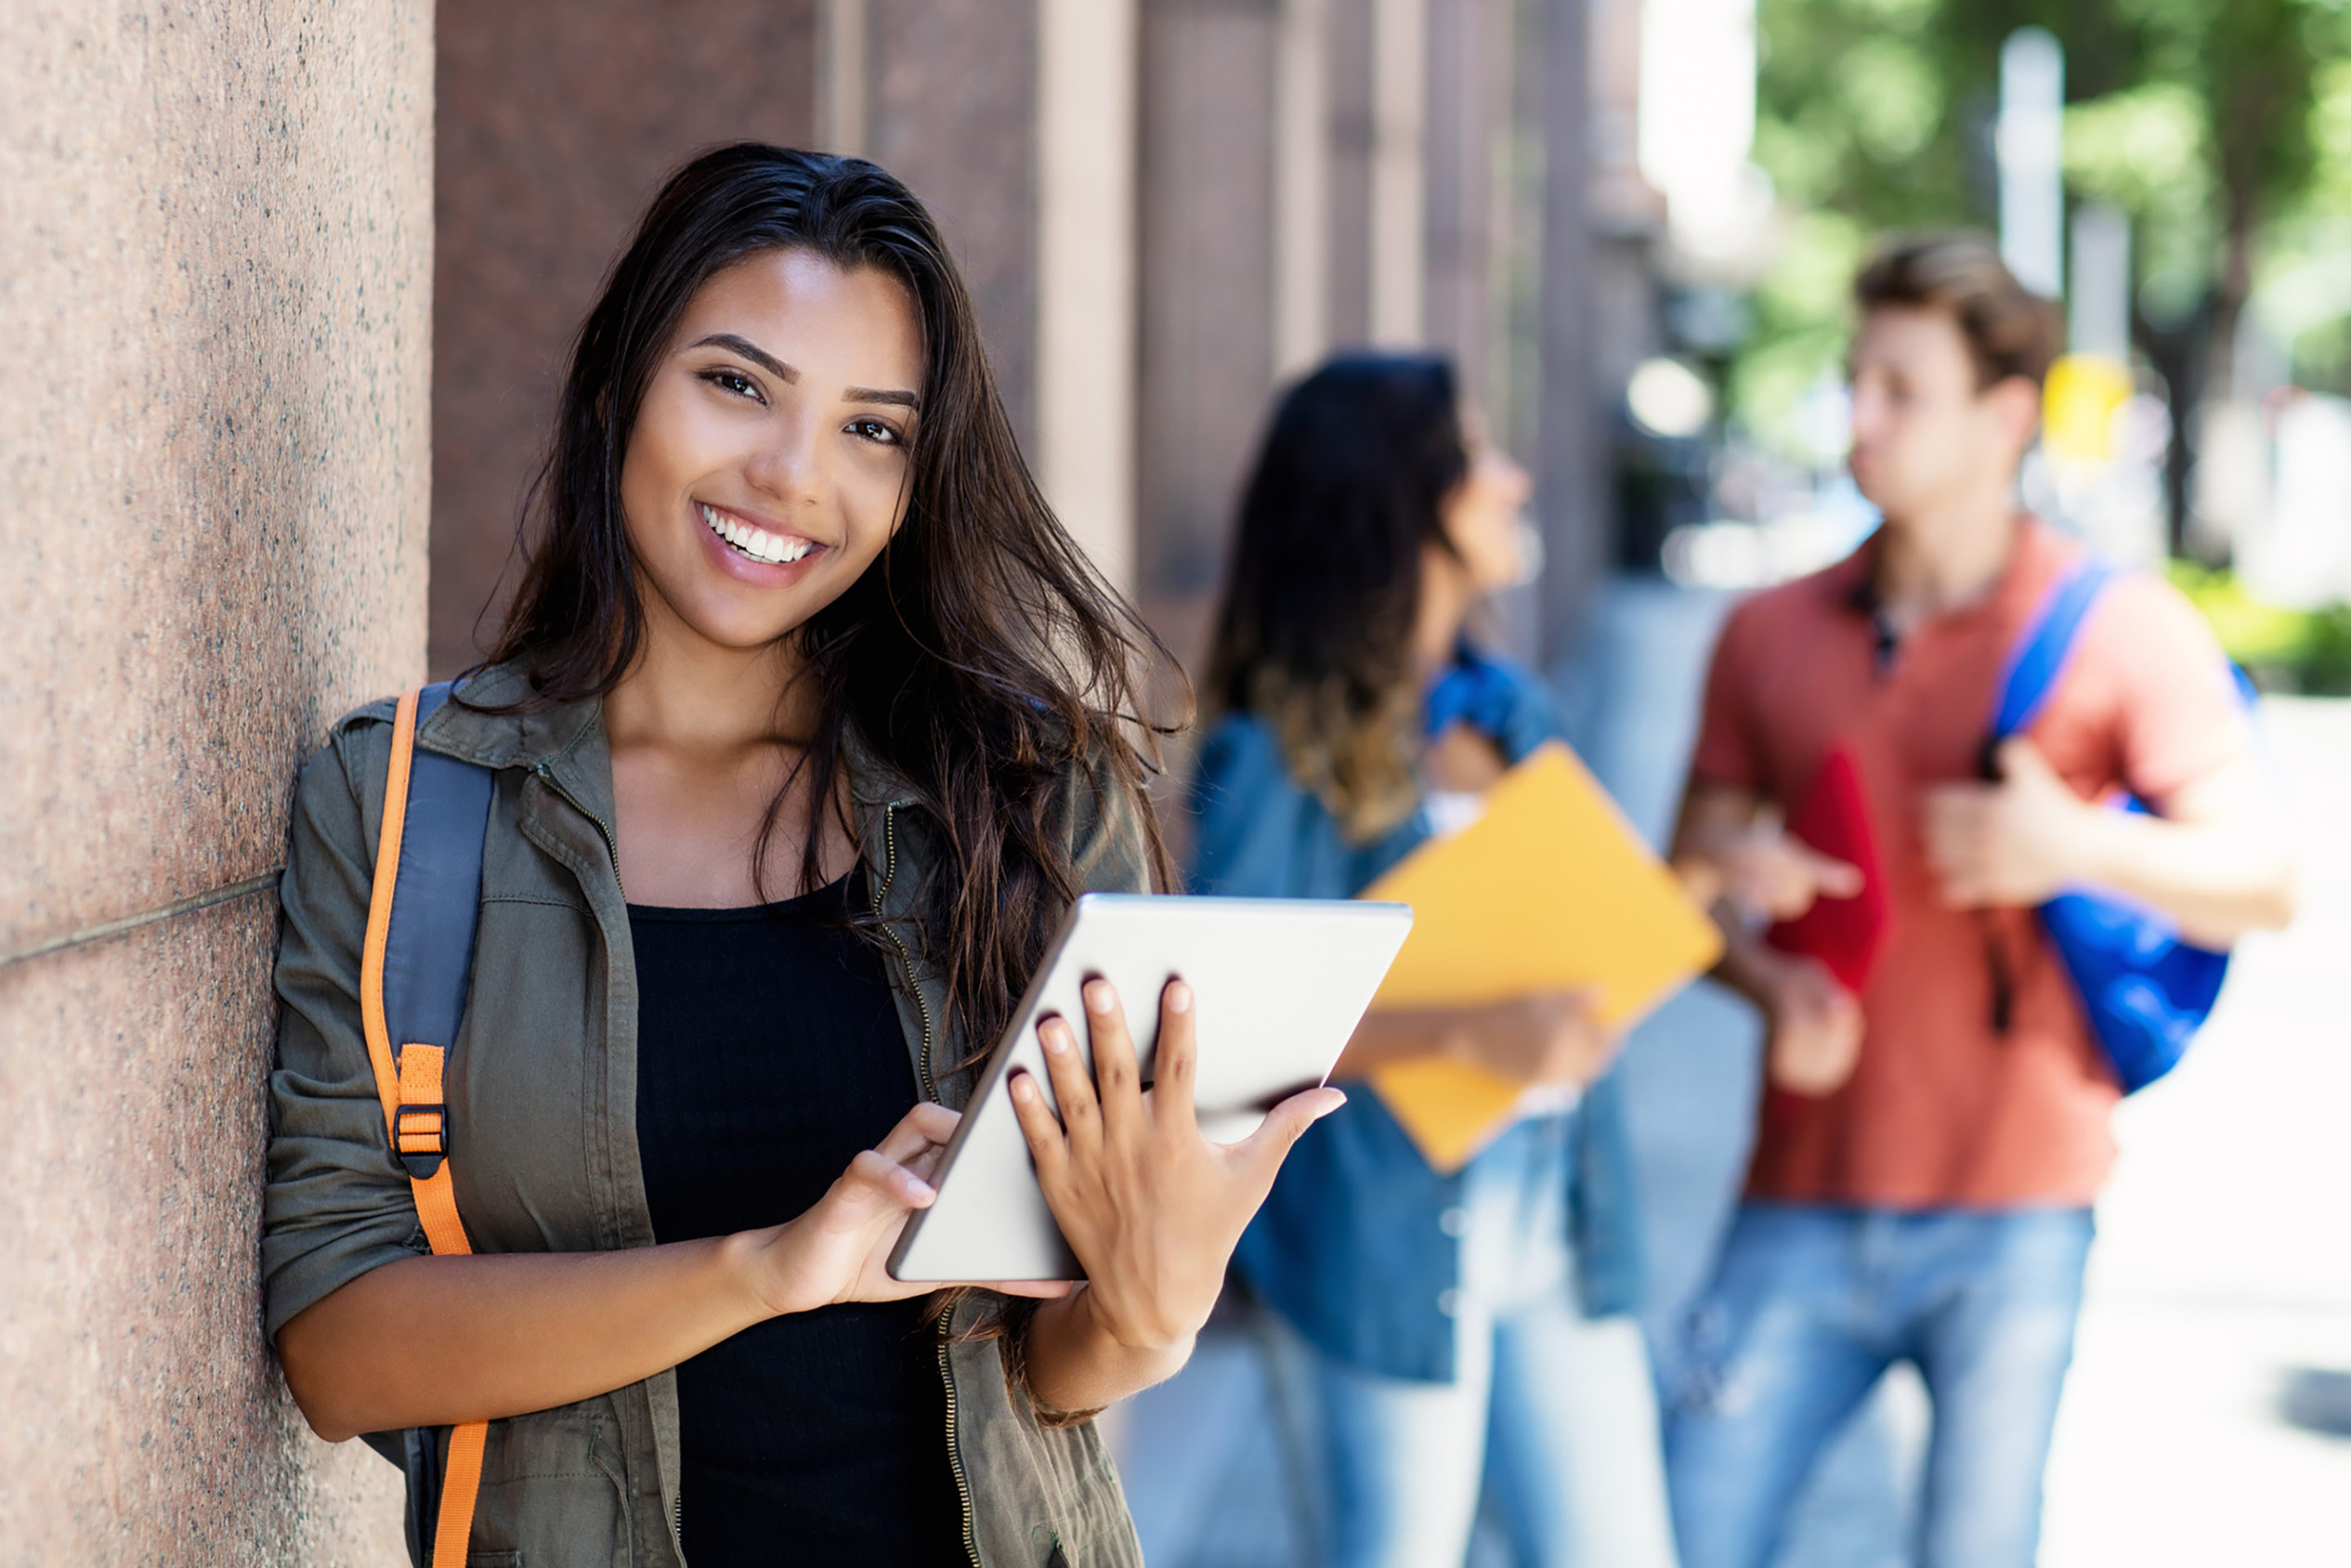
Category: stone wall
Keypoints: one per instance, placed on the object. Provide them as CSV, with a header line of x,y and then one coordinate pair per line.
x,y
216,255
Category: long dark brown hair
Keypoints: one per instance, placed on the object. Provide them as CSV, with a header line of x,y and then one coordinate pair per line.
x,y
1315,635
982,656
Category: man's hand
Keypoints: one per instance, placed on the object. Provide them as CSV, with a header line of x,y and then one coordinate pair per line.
x,y
2017,843
1815,1027
1762,870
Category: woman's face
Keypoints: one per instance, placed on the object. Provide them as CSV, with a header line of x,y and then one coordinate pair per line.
x,y
768,464
1482,516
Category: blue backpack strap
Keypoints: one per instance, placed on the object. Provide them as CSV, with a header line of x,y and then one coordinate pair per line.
x,y
416,972
428,962
2040,658
2143,991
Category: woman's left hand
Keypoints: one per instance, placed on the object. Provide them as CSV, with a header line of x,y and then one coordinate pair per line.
x,y
1152,1209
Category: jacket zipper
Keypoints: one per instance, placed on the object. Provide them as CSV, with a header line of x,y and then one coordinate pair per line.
x,y
930,1091
905,959
955,1457
612,843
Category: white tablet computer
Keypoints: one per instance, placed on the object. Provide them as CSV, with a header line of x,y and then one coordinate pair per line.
x,y
1279,986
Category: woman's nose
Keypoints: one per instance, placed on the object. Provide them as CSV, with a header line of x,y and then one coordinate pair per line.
x,y
788,466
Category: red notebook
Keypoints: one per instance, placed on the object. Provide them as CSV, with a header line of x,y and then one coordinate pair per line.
x,y
1845,933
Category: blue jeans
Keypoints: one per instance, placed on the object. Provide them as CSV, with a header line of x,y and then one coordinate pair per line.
x,y
1557,1410
1811,1304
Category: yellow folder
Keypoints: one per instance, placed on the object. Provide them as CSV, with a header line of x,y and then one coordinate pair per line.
x,y
1551,888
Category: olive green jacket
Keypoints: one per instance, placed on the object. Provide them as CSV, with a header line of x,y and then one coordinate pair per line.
x,y
542,1100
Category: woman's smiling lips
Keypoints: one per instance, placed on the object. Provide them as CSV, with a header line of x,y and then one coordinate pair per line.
x,y
752,552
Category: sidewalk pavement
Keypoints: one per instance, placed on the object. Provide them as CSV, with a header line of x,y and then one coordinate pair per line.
x,y
2208,1417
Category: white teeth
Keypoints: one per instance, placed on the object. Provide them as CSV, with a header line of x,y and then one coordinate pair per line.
x,y
757,543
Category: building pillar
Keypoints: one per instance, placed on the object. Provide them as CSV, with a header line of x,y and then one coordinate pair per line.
x,y
1208,338
1570,504
952,112
1468,105
217,232
1301,189
1399,174
1086,135
844,79
1353,131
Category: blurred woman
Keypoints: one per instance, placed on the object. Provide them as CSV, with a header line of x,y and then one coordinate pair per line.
x,y
1454,1329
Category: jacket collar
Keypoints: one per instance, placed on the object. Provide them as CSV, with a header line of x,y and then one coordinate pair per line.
x,y
523,737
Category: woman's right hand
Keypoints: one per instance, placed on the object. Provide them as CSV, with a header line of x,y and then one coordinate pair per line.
x,y
838,1250
1548,1039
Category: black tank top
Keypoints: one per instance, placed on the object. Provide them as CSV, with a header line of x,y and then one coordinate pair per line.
x,y
769,1053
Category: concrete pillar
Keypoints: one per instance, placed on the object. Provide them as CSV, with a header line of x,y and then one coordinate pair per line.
x,y
216,238
558,120
1468,107
1086,134
1569,505
952,107
1207,305
1301,189
844,81
1399,175
1354,132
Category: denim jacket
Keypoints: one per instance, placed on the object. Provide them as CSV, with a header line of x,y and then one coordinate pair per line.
x,y
1352,1246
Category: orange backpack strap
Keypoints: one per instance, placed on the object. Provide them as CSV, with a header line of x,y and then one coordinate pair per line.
x,y
415,971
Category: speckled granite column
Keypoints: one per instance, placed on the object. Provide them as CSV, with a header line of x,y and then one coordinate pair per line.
x,y
215,263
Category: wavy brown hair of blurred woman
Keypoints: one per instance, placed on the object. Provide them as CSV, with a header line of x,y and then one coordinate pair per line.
x,y
982,656
1315,635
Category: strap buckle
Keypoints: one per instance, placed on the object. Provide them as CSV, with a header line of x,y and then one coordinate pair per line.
x,y
420,1136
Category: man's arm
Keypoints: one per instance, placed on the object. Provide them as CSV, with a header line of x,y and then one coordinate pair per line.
x,y
2215,859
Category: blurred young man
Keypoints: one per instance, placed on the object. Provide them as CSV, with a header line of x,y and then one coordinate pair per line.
x,y
1929,1149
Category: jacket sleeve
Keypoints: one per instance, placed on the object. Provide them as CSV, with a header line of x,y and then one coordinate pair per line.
x,y
337,1204
1246,812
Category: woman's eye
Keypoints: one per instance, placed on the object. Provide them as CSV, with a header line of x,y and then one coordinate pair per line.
x,y
873,430
733,381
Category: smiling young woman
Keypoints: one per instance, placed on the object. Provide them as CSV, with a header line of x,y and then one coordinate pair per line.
x,y
807,724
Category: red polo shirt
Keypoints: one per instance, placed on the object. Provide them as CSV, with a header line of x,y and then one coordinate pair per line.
x,y
1943,1111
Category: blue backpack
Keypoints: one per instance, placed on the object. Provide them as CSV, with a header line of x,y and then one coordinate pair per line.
x,y
2144,991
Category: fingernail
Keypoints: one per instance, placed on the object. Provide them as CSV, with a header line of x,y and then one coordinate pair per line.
x,y
1099,997
1022,1090
1179,997
1055,1035
919,1190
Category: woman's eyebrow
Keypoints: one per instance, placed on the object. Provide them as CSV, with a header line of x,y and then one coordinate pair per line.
x,y
758,356
751,351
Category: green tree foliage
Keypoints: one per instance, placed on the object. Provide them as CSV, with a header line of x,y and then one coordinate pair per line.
x,y
2222,127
